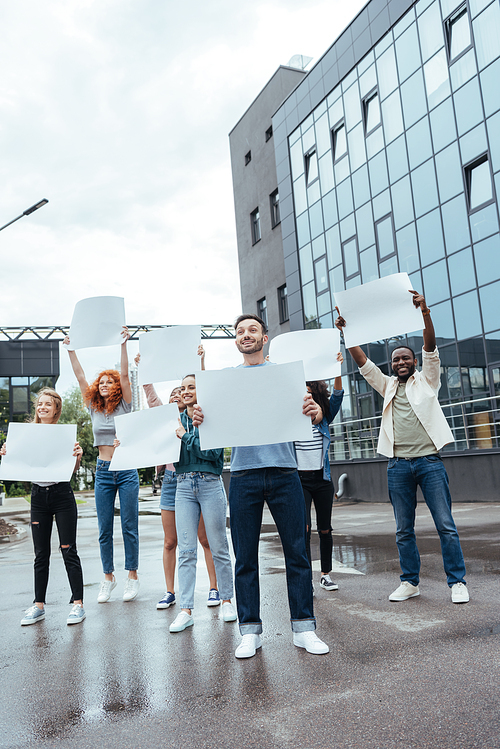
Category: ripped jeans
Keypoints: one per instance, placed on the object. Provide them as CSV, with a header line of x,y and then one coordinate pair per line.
x,y
48,502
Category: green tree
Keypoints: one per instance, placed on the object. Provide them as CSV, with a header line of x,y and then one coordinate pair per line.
x,y
74,412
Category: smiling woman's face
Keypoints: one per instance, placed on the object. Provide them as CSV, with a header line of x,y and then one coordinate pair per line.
x,y
188,391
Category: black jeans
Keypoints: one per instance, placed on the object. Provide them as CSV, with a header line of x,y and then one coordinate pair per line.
x,y
48,502
319,491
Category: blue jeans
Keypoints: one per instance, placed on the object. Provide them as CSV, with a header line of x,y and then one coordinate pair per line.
x,y
168,490
201,493
106,484
403,477
281,489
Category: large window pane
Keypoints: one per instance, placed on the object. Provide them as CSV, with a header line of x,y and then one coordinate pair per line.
x,y
489,87
462,276
369,264
443,128
372,112
414,99
311,167
387,73
306,265
374,142
436,286
382,205
347,227
442,317
423,181
303,233
397,159
334,253
463,70
483,223
455,224
326,173
350,250
300,195
337,279
437,82
430,31
330,209
361,186
392,117
352,106
339,141
487,256
367,81
486,34
467,319
402,202
489,296
318,247
468,106
322,135
379,179
473,144
321,276
407,53
493,125
406,240
316,220
388,267
297,159
344,198
419,143
364,222
458,31
385,237
356,145
479,185
449,173
341,169
430,237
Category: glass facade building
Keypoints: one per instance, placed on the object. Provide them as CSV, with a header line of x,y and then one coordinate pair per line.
x,y
390,151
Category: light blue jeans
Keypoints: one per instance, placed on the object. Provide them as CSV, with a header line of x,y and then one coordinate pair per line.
x,y
107,483
201,493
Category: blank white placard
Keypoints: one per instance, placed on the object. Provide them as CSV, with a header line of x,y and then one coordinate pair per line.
x,y
97,321
169,353
258,405
147,438
39,452
377,310
317,349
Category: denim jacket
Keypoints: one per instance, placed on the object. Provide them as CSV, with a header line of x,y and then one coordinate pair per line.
x,y
336,399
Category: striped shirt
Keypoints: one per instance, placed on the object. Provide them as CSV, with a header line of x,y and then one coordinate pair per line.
x,y
310,452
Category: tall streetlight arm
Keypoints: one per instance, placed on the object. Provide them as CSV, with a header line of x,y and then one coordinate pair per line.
x,y
27,212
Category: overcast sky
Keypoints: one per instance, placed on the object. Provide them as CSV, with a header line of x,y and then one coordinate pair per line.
x,y
118,112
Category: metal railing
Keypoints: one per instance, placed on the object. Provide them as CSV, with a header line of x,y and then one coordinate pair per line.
x,y
475,425
58,332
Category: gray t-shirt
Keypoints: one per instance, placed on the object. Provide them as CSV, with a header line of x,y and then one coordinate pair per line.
x,y
103,424
410,438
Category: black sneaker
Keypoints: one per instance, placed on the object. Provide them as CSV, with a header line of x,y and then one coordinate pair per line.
x,y
327,583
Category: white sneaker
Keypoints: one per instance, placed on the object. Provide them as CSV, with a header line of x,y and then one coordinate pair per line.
x,y
459,593
248,646
406,590
228,612
182,621
311,642
76,615
131,589
105,590
33,615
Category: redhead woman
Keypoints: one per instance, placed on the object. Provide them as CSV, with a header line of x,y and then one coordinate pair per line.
x,y
51,500
199,490
108,396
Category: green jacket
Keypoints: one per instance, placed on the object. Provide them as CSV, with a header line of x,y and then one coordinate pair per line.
x,y
192,457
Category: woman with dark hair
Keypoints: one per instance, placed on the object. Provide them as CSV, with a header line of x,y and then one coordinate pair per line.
x,y
54,500
314,472
108,396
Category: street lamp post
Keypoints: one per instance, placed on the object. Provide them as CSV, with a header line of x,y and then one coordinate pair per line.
x,y
27,212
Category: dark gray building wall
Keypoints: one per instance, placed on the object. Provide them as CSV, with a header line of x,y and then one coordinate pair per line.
x,y
29,358
261,265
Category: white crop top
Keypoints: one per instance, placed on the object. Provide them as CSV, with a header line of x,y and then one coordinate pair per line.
x,y
103,424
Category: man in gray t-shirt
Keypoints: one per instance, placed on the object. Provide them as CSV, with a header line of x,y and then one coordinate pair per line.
x,y
268,473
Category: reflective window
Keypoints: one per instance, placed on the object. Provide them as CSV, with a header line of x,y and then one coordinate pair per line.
x,y
461,268
487,33
318,246
449,172
330,216
354,281
337,278
262,310
489,87
20,399
493,125
321,275
487,256
467,318
423,181
419,143
296,159
311,167
483,223
406,240
385,237
333,250
255,225
306,265
316,220
458,32
322,135
455,224
414,99
309,301
300,195
436,286
430,31
350,252
364,222
382,205
474,143
361,186
369,264
371,108
388,267
303,233
463,70
344,198
352,107
326,173
489,305
437,81
274,202
379,179
347,227
392,116
335,111
313,193
443,128
324,303
308,138
397,159
478,182
341,169
430,237
367,81
476,6
442,317
339,141
407,53
374,142
468,107
283,304
402,202
356,145
387,73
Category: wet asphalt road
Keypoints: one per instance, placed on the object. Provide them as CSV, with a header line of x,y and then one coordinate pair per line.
x,y
421,673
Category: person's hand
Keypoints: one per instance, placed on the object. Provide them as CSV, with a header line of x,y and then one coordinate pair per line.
x,y
137,359
340,358
198,416
310,407
201,352
419,301
3,450
125,334
339,322
180,431
66,341
77,450
116,442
